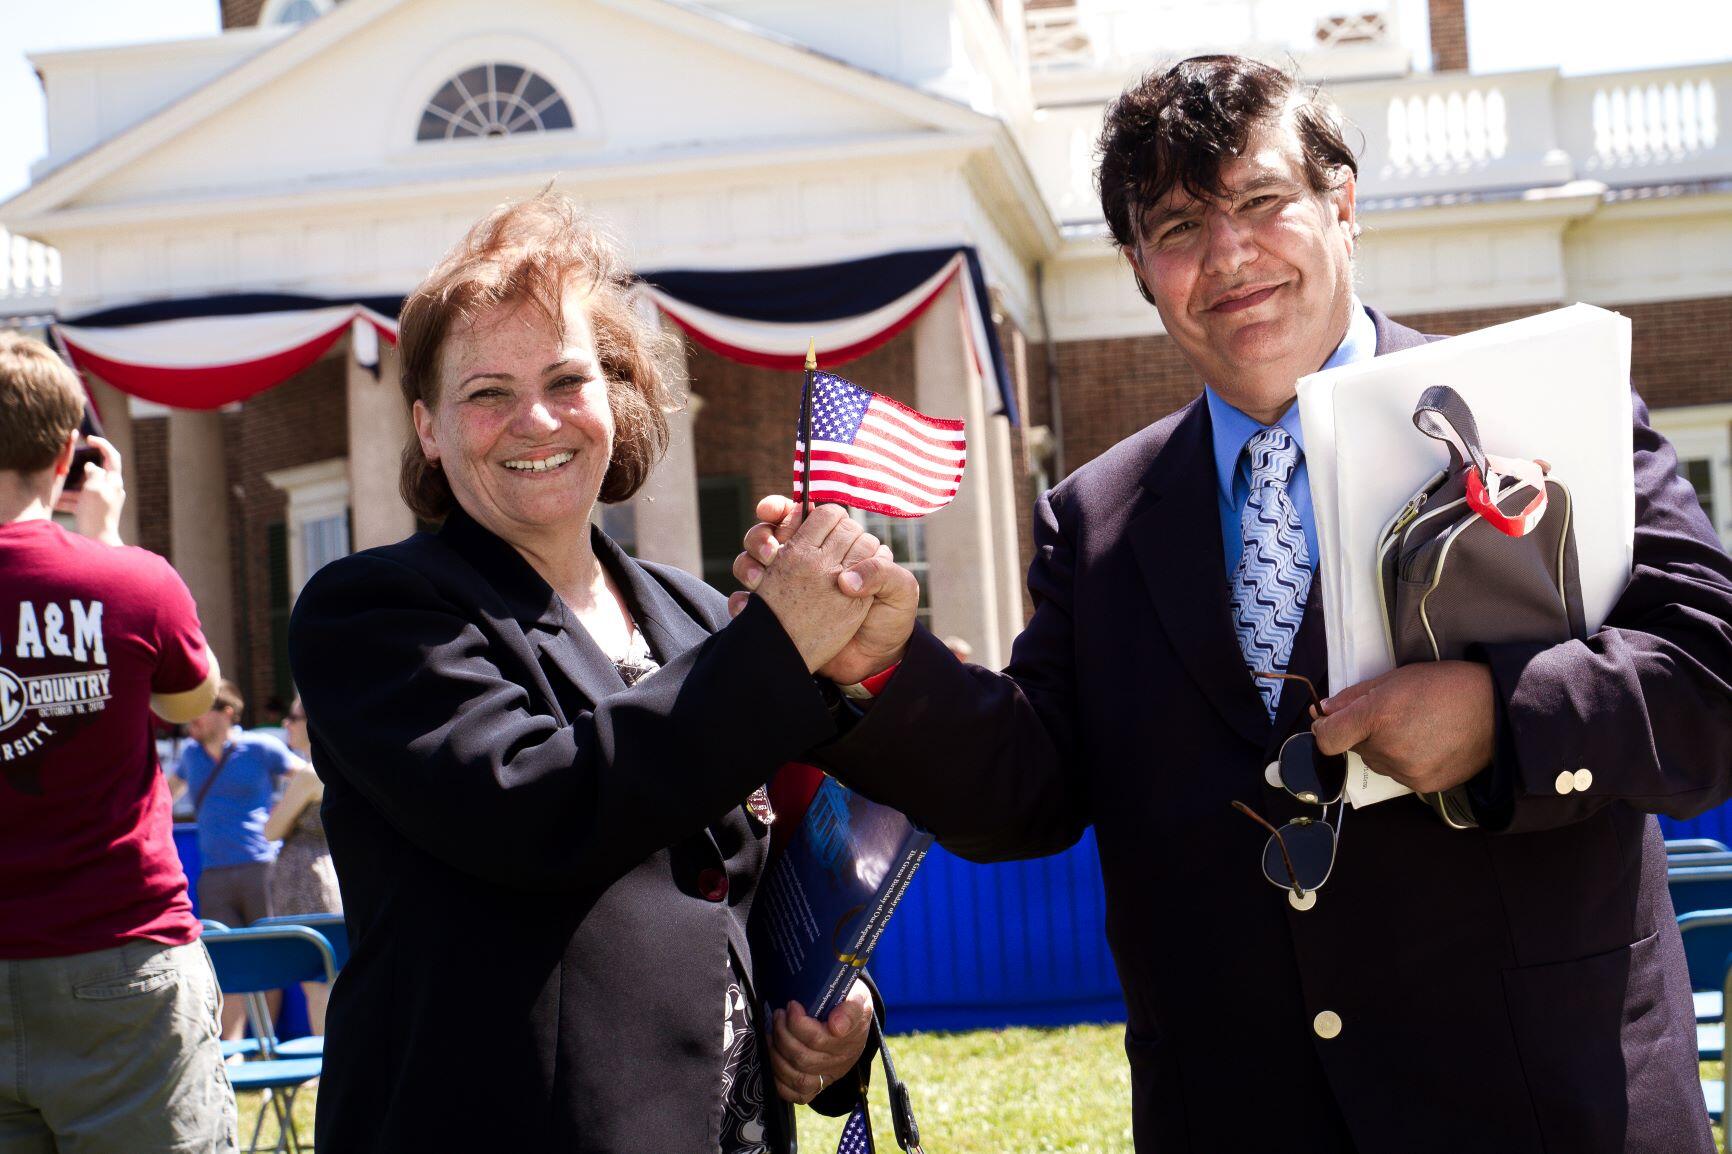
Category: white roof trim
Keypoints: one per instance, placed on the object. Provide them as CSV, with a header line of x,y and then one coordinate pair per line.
x,y
504,183
85,169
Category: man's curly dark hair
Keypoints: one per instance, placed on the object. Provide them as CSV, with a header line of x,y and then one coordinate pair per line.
x,y
1176,128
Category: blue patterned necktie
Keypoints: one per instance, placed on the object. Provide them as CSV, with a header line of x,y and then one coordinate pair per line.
x,y
1274,574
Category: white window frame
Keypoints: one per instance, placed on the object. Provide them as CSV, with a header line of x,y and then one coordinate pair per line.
x,y
316,492
882,525
400,147
1704,433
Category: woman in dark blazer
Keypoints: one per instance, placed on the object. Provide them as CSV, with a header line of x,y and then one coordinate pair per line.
x,y
544,760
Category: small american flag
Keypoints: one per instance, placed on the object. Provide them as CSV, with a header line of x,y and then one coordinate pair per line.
x,y
857,1133
870,452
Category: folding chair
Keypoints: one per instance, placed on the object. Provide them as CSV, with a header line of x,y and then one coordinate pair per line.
x,y
1708,952
1693,889
1684,846
332,926
1699,859
335,932
242,1046
251,962
1699,887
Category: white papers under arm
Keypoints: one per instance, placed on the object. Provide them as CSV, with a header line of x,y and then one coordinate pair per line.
x,y
1554,386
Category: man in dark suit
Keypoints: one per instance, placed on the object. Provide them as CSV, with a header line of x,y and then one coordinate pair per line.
x,y
1516,987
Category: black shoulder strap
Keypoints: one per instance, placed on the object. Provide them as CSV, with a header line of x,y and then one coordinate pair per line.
x,y
1442,415
901,1105
215,772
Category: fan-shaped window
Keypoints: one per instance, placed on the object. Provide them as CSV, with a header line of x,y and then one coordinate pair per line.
x,y
493,100
297,11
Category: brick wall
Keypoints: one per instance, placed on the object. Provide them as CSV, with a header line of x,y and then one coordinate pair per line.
x,y
1109,390
1681,352
147,483
747,422
301,421
1457,321
241,13
1448,35
746,427
1681,355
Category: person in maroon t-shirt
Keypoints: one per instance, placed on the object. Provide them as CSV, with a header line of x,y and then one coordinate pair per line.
x,y
110,1002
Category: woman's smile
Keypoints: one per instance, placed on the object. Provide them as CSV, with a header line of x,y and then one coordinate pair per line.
x,y
547,464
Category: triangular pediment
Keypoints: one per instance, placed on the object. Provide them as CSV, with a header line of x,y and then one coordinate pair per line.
x,y
339,104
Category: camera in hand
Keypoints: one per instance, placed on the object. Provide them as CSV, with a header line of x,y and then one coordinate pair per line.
x,y
84,453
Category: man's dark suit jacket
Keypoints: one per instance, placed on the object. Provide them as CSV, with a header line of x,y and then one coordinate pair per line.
x,y
1522,990
542,870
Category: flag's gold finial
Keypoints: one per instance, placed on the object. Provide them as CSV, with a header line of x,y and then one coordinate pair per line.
x,y
811,355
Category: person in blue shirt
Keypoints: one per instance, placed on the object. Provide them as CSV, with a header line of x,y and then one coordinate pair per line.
x,y
234,778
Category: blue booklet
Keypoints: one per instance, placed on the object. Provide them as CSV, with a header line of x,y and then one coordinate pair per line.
x,y
826,899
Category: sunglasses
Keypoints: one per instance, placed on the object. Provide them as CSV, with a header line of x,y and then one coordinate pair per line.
x,y
1300,855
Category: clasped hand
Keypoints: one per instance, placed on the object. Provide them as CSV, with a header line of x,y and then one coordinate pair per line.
x,y
835,588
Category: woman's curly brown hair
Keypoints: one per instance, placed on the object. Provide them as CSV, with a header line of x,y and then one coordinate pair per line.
x,y
535,250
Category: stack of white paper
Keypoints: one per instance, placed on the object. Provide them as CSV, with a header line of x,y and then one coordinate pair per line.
x,y
1554,386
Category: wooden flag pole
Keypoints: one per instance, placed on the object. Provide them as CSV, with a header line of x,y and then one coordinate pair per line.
x,y
806,431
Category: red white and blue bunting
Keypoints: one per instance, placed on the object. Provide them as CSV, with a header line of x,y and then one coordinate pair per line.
x,y
205,362
209,352
766,316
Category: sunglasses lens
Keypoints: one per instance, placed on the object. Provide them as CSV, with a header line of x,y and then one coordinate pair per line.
x,y
1312,849
1309,775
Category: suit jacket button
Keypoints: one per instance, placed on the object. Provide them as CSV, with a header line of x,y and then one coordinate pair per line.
x,y
1272,774
1566,782
1584,778
1327,1024
713,884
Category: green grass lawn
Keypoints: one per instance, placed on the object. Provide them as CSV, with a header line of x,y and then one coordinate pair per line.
x,y
985,1092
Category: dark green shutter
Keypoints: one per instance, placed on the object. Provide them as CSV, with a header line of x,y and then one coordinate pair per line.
x,y
724,514
277,555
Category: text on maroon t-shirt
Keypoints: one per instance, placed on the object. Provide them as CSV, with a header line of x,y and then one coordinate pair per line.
x,y
87,633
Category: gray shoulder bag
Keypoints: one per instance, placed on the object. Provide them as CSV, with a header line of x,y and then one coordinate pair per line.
x,y
1484,553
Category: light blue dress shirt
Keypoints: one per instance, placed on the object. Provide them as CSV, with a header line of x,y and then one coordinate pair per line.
x,y
1233,429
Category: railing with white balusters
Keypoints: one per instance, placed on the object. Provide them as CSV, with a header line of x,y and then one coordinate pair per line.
x,y
1649,124
1454,133
1444,134
1125,36
1056,40
1449,133
29,276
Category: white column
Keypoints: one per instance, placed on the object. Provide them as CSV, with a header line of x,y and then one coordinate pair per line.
x,y
199,524
964,586
378,430
115,409
666,508
1007,558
